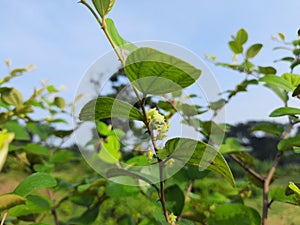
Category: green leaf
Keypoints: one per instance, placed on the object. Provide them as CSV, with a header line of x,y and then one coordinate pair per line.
x,y
88,217
42,130
174,199
8,201
295,63
235,47
103,6
103,128
241,37
293,79
110,150
61,156
115,36
278,82
5,139
59,102
232,145
278,194
292,188
105,107
267,70
217,104
116,190
155,72
270,128
62,133
199,154
19,131
33,182
231,213
289,143
278,91
253,50
296,51
285,111
37,149
281,35
34,204
12,97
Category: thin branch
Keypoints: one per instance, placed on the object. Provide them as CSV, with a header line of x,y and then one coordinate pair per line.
x,y
247,168
53,210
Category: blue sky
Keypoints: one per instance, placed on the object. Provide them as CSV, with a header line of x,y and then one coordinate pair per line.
x,y
62,38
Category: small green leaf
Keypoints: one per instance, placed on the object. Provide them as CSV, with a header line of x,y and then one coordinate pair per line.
x,y
12,97
241,37
199,154
217,104
289,143
285,111
292,188
270,128
109,151
88,217
278,194
232,145
295,63
34,204
37,149
174,199
287,59
103,128
5,139
105,107
19,131
103,6
155,72
8,201
33,182
281,35
278,82
293,79
267,70
116,190
59,102
278,91
235,47
296,51
231,213
62,133
117,39
253,50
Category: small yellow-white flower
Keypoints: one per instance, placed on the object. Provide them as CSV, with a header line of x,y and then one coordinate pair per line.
x,y
157,122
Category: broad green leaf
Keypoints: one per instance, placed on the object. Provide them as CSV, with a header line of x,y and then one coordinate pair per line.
x,y
115,36
174,199
199,154
278,194
232,145
103,128
289,143
61,156
296,51
109,151
287,59
241,37
12,97
105,107
253,50
278,91
217,104
37,149
293,79
42,130
88,217
59,102
103,6
235,47
5,139
270,128
155,72
278,82
8,201
34,204
116,190
33,182
267,70
19,131
285,111
232,213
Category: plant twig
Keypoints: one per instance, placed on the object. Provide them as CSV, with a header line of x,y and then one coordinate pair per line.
x,y
4,217
53,210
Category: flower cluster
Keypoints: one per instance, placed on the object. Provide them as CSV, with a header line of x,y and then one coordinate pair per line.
x,y
157,122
